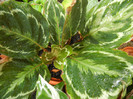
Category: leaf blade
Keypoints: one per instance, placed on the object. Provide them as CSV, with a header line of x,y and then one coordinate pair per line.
x,y
108,26
75,19
55,14
16,29
99,78
22,75
48,91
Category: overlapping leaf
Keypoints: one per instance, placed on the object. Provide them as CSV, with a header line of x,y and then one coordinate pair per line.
x,y
110,23
18,77
97,73
91,4
23,30
75,19
38,5
45,90
55,14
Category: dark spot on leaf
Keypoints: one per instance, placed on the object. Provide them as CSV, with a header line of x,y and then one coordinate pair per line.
x,y
129,89
48,49
74,39
32,95
51,67
54,74
60,1
40,52
64,89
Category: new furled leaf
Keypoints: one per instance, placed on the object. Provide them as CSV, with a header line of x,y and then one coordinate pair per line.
x,y
23,31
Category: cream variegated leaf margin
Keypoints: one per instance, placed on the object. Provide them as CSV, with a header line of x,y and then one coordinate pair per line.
x,y
18,77
23,30
110,24
99,73
54,12
45,90
91,4
75,19
55,15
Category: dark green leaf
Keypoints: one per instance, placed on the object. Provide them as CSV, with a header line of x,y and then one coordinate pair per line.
x,y
23,30
18,77
55,14
59,86
110,23
75,20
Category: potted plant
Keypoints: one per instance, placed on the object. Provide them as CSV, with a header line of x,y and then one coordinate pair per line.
x,y
75,43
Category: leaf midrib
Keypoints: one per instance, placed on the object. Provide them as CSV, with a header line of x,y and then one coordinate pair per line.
x,y
3,28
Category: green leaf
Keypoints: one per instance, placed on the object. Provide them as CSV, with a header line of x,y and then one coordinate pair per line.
x,y
19,76
97,72
55,14
110,23
45,90
60,85
92,3
25,1
57,54
38,5
23,30
66,3
75,20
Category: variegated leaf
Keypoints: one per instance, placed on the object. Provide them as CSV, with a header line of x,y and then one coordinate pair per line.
x,y
55,14
23,30
97,73
18,77
75,19
110,23
91,4
45,90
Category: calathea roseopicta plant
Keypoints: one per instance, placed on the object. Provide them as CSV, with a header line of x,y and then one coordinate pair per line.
x,y
84,39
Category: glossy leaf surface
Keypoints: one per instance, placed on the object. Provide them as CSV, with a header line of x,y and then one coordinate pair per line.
x,y
45,90
110,23
75,19
55,14
23,31
18,77
97,73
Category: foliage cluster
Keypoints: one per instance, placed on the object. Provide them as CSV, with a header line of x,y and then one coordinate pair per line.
x,y
84,36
